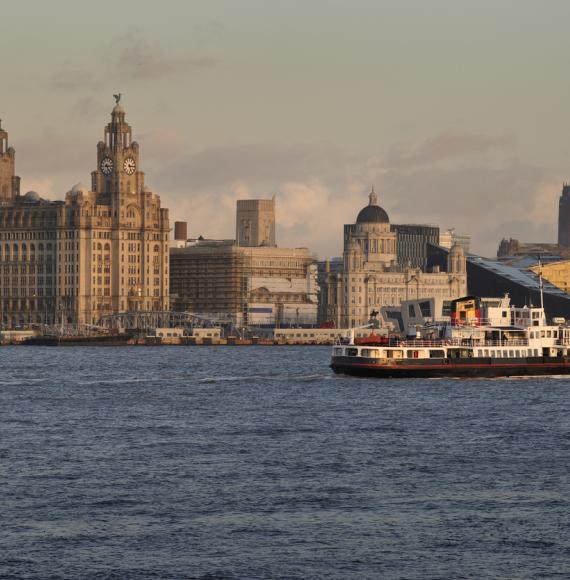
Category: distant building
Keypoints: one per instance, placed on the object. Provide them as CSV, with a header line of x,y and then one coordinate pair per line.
x,y
251,285
371,276
514,248
492,278
255,222
557,273
102,250
564,217
449,237
411,244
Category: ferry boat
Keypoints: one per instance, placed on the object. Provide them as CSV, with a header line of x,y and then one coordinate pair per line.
x,y
484,338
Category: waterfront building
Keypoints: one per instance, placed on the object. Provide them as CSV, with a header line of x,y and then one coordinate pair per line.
x,y
371,276
450,237
255,222
513,248
557,273
100,251
495,278
250,285
411,243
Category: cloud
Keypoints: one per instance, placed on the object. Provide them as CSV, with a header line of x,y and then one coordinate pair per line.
x,y
446,146
87,106
468,181
319,187
135,57
129,57
74,78
264,165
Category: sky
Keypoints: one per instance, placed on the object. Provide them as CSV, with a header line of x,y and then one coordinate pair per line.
x,y
455,111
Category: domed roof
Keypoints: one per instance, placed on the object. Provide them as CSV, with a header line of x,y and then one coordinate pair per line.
x,y
372,213
117,109
32,196
79,188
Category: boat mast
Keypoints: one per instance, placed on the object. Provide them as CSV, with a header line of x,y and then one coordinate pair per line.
x,y
540,283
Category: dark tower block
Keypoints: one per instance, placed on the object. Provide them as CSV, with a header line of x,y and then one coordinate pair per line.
x,y
181,231
564,217
9,182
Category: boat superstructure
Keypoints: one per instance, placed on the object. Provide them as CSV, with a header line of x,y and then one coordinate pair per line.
x,y
484,337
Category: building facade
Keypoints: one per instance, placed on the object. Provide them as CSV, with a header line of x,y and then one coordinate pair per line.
x,y
251,286
450,237
411,243
255,222
101,251
372,278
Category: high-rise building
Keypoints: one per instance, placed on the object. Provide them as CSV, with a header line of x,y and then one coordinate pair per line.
x,y
564,216
411,243
98,252
255,222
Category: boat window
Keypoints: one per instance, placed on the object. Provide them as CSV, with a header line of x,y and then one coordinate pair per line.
x,y
511,353
548,334
436,354
517,353
535,314
352,352
555,334
493,353
338,351
542,334
370,353
499,354
395,353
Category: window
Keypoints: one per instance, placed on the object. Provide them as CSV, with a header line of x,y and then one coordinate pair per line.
x,y
370,353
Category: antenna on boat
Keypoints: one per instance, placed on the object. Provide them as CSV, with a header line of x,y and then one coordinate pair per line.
x,y
540,283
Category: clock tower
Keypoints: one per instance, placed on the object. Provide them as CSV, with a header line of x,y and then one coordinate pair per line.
x,y
117,172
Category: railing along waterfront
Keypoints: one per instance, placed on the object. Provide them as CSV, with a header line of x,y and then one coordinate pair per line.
x,y
440,343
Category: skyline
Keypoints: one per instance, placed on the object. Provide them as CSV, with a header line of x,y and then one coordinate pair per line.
x,y
446,121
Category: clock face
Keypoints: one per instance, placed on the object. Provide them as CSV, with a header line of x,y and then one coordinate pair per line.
x,y
129,165
107,165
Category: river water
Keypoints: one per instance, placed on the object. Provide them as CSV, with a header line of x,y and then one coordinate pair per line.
x,y
258,462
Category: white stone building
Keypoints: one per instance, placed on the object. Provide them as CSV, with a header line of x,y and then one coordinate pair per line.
x,y
371,277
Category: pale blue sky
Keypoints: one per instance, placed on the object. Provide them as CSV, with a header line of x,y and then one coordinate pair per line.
x,y
447,106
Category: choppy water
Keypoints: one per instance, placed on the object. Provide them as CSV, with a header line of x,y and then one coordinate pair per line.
x,y
258,462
